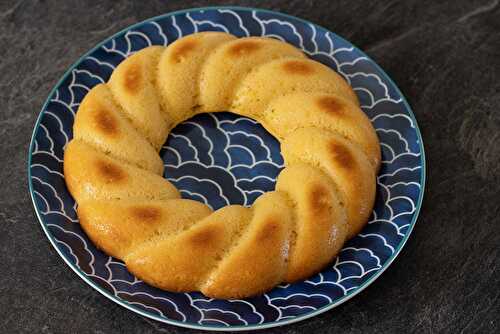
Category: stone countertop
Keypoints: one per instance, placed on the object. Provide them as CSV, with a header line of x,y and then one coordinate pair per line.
x,y
444,56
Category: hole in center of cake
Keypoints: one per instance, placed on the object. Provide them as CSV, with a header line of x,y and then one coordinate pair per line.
x,y
221,159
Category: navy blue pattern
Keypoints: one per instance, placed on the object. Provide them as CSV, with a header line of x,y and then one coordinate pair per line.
x,y
222,159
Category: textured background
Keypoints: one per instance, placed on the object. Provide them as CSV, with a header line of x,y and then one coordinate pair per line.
x,y
444,56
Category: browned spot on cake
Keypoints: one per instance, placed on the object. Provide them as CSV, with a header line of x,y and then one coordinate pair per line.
x,y
341,155
133,78
182,49
243,47
269,231
106,122
319,199
297,67
205,237
146,213
330,105
110,172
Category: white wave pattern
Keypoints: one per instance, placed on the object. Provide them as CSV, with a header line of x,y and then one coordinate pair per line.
x,y
208,311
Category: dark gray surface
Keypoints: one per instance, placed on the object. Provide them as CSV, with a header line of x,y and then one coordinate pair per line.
x,y
444,56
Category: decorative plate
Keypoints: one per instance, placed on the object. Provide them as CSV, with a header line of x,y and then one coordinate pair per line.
x,y
223,158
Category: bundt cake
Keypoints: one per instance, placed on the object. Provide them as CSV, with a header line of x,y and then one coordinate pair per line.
x,y
323,196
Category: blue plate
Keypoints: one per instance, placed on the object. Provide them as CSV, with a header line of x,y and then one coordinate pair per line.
x,y
223,158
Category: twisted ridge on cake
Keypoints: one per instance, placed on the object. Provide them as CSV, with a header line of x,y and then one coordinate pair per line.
x,y
323,196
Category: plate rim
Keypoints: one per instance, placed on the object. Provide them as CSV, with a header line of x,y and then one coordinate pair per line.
x,y
190,325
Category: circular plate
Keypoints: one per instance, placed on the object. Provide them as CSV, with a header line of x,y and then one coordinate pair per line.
x,y
223,158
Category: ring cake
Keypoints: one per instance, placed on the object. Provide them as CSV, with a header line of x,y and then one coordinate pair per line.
x,y
323,196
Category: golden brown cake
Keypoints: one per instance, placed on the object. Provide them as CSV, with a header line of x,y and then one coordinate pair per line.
x,y
230,63
281,77
323,196
286,114
100,122
258,260
343,162
91,174
117,226
179,72
320,222
134,88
